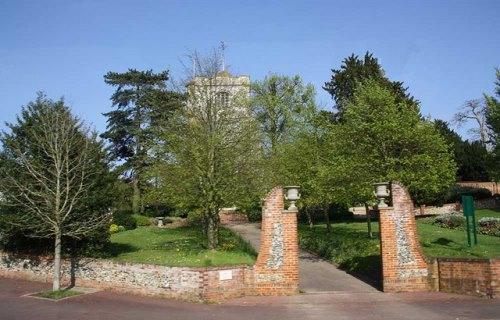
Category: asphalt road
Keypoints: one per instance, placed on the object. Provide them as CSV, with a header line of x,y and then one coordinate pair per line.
x,y
366,305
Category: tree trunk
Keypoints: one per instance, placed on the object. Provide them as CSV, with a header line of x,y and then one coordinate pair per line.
x,y
309,218
56,284
213,229
368,221
327,220
136,197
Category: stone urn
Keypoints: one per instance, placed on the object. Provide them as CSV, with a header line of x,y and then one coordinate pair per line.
x,y
292,195
382,192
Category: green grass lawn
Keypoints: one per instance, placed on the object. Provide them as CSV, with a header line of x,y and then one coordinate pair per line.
x,y
57,295
442,242
184,246
350,248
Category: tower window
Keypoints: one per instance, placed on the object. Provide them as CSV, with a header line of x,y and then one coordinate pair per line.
x,y
222,99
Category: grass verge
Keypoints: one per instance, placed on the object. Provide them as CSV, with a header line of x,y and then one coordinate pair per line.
x,y
57,295
183,246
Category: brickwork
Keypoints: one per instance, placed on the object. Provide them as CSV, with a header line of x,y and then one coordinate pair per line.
x,y
194,284
469,276
276,271
404,267
492,186
230,216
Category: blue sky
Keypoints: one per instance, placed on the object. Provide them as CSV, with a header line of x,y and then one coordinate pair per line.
x,y
444,51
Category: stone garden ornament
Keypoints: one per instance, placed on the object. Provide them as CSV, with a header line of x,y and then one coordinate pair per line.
x,y
292,195
382,192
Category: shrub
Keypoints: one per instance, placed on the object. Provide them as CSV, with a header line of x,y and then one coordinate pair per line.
x,y
113,228
141,221
124,218
195,217
338,211
457,192
254,214
489,226
450,221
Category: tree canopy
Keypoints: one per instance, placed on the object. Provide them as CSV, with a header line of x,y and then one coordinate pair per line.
x,y
381,138
142,102
54,177
354,71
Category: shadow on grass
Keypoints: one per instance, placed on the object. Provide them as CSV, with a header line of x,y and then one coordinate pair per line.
x,y
443,242
115,249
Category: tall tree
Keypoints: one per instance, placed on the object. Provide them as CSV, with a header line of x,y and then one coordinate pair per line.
x,y
51,175
353,71
279,104
142,101
382,139
472,159
475,110
493,122
214,151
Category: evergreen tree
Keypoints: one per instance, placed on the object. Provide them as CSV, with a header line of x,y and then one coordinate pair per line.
x,y
354,71
142,102
54,178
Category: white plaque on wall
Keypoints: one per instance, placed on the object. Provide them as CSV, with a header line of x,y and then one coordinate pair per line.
x,y
225,275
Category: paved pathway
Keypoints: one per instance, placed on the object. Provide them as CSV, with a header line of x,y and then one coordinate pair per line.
x,y
316,275
359,306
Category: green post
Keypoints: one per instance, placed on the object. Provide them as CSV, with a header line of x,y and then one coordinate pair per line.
x,y
474,224
468,207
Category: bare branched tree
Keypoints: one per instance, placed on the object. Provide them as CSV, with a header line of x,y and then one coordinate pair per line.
x,y
48,167
475,110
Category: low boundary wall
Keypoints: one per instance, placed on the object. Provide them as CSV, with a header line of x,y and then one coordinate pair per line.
x,y
193,284
276,271
467,276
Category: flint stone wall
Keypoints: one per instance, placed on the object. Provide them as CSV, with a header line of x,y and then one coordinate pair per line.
x,y
276,271
197,284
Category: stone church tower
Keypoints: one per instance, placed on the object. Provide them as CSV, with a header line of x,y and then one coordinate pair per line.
x,y
224,90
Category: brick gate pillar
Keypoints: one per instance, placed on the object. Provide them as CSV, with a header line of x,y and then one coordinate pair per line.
x,y
404,266
276,271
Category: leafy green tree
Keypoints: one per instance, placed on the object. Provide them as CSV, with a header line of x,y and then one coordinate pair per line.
x,y
382,139
303,160
354,71
493,121
279,104
214,154
142,102
54,178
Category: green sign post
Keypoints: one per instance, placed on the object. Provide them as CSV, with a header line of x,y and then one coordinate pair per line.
x,y
470,214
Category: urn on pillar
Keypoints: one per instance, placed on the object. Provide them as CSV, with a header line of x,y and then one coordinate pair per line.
x,y
382,192
292,195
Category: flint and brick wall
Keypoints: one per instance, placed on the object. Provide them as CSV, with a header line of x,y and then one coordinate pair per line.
x,y
194,284
275,272
277,269
404,266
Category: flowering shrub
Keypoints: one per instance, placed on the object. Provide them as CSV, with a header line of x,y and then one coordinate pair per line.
x,y
489,226
113,228
228,246
450,221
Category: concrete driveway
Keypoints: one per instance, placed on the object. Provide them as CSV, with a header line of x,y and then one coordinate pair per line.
x,y
362,305
316,275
